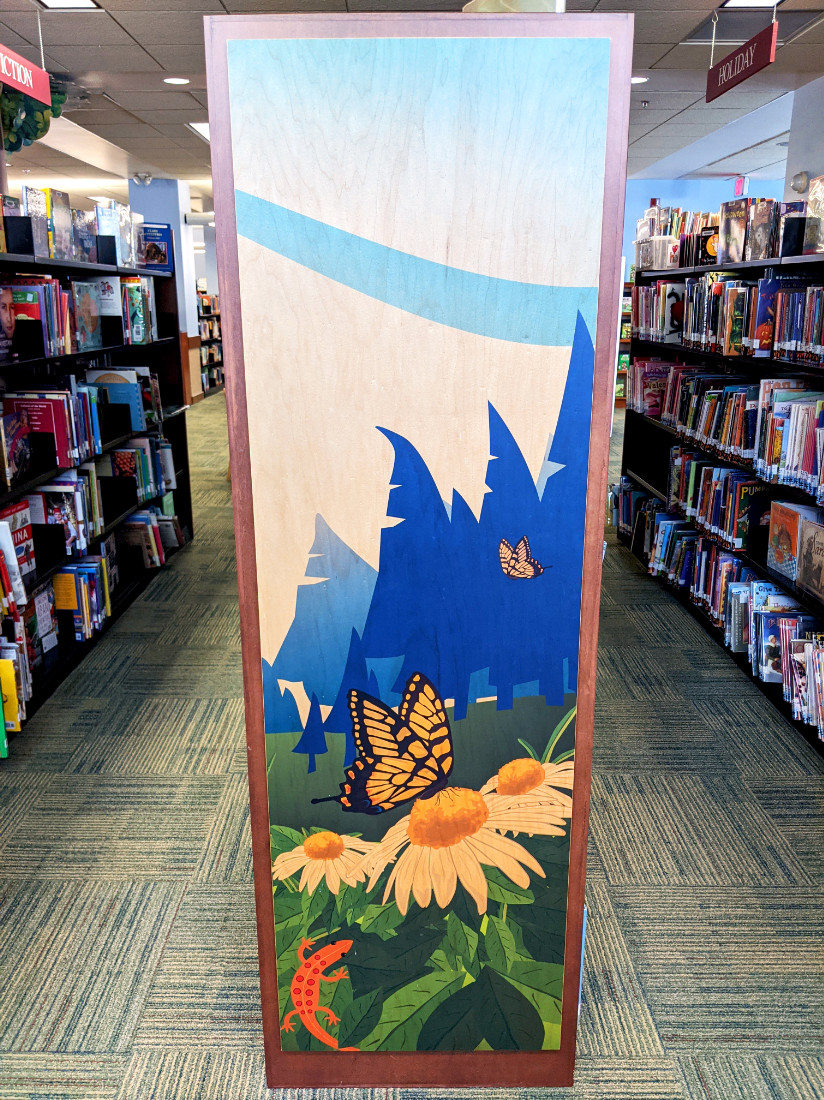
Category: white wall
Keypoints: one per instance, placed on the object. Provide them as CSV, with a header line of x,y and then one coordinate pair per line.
x,y
805,152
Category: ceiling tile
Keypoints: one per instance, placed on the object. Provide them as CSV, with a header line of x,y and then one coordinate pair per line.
x,y
172,28
157,101
665,25
179,59
799,58
645,55
122,131
206,7
195,113
103,58
242,7
639,128
656,5
649,115
404,5
663,101
11,38
68,28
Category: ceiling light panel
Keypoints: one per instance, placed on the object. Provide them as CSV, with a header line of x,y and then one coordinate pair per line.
x,y
69,5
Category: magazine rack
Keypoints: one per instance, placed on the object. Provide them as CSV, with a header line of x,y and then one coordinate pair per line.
x,y
419,435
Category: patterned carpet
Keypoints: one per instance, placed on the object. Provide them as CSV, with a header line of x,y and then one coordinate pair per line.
x,y
128,965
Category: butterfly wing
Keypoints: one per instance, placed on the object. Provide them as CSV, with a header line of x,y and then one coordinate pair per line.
x,y
400,756
523,565
506,555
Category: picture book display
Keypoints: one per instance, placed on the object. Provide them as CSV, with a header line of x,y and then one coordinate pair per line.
x,y
419,691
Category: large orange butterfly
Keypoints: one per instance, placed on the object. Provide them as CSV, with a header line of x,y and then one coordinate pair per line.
x,y
401,756
519,562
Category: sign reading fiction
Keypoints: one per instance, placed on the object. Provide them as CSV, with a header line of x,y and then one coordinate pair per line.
x,y
742,63
25,77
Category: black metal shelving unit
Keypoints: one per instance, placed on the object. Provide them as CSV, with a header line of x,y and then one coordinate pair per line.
x,y
646,453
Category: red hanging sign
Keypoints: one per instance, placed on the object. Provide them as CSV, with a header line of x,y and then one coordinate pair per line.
x,y
18,73
742,63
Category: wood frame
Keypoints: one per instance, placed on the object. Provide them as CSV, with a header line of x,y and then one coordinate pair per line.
x,y
539,1068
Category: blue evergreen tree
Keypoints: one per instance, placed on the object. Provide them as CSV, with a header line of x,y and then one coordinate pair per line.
x,y
313,740
280,712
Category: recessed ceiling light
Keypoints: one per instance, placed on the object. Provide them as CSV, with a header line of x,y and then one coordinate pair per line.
x,y
175,80
750,3
639,80
200,128
69,5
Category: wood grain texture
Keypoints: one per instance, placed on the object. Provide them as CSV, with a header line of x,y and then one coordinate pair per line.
x,y
534,1068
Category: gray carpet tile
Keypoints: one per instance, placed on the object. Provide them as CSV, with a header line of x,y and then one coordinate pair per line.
x,y
214,939
752,1077
615,1019
227,854
166,736
729,968
61,1076
125,860
90,950
115,827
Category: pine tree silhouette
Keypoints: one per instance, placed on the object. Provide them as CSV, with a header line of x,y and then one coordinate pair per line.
x,y
313,740
280,712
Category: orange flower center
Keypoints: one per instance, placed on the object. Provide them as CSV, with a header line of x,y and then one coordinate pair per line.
x,y
323,846
447,818
520,776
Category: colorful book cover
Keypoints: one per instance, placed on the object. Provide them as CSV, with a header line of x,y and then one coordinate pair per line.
x,y
56,504
108,296
814,226
16,446
88,329
810,574
84,236
11,701
792,222
34,207
59,213
760,235
782,548
18,517
157,246
40,622
708,246
125,257
732,231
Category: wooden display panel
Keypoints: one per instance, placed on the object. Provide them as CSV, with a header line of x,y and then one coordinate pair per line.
x,y
415,214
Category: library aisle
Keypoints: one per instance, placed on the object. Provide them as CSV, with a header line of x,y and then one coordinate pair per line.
x,y
128,961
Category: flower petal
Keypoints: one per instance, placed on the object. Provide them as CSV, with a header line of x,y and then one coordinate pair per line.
x,y
444,876
402,875
422,879
332,875
507,854
470,873
288,862
312,874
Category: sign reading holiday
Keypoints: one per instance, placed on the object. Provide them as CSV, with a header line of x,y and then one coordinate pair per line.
x,y
18,73
742,63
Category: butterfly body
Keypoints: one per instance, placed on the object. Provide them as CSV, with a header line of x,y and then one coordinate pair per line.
x,y
402,755
517,562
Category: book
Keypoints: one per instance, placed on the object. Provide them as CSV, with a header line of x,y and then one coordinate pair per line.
x,y
57,503
814,223
18,517
84,236
88,328
35,207
46,412
157,246
810,573
791,227
109,297
16,447
12,565
59,214
107,223
760,235
708,246
732,230
123,244
40,623
785,523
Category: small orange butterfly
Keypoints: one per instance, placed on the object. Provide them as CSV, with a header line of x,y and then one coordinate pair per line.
x,y
519,562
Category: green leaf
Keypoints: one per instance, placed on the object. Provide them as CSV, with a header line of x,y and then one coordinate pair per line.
x,y
464,940
502,889
511,1022
490,1008
287,905
500,944
557,733
382,920
316,904
528,748
282,839
360,1017
406,1010
542,985
565,756
401,960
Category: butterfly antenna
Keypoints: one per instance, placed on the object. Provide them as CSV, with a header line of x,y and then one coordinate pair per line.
x,y
330,798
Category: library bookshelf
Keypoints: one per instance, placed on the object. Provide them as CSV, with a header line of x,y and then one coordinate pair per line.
x,y
120,497
648,450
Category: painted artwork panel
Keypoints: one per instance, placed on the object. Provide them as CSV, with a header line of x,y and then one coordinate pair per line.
x,y
418,286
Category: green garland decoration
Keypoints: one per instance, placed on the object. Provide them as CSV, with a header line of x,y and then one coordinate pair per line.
x,y
24,119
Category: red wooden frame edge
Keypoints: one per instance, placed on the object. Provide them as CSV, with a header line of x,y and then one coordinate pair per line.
x,y
536,1068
